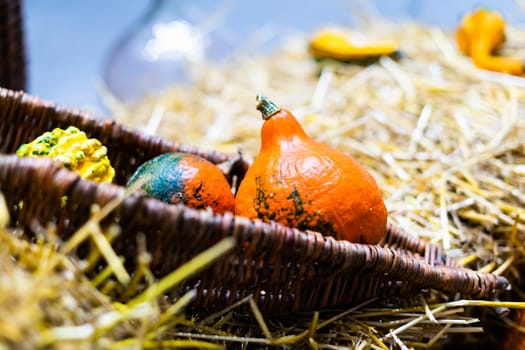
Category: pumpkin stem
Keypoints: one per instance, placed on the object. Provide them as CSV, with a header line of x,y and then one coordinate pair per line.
x,y
266,106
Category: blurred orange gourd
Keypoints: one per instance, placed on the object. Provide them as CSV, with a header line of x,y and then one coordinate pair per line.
x,y
480,34
302,183
514,339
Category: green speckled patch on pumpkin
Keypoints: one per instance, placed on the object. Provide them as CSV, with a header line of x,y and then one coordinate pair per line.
x,y
296,217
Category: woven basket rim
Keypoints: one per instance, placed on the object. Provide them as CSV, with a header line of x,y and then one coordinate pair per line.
x,y
400,264
311,238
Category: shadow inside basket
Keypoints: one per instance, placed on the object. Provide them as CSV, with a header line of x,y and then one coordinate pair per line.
x,y
284,269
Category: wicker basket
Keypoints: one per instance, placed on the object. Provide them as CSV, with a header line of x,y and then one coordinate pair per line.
x,y
12,48
283,268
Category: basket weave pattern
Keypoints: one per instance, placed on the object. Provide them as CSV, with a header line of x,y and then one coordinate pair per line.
x,y
284,269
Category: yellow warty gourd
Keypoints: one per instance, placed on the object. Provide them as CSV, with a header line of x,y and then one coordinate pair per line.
x,y
73,149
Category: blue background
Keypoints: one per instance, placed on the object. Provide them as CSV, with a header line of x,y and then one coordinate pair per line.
x,y
68,42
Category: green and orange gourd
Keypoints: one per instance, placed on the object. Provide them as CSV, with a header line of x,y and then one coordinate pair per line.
x,y
302,183
185,178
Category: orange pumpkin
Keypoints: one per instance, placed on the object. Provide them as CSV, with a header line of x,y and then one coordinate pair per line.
x,y
302,183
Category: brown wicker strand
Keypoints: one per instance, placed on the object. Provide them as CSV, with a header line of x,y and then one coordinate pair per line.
x,y
12,45
272,262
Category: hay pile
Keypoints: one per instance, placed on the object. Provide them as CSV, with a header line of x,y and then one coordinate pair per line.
x,y
441,137
52,299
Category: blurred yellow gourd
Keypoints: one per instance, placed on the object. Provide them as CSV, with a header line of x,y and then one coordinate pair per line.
x,y
73,149
480,34
337,44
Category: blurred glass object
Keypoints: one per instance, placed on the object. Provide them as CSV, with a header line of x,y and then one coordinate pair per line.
x,y
188,45
158,48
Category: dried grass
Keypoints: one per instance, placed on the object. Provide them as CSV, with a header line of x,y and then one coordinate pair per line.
x,y
441,137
